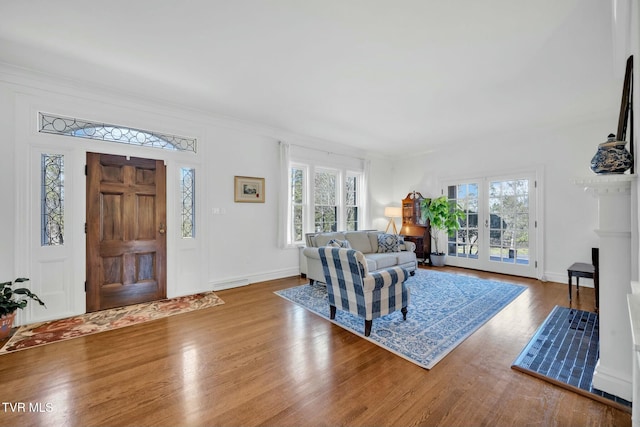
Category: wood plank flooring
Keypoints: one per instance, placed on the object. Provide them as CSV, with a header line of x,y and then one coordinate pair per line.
x,y
259,360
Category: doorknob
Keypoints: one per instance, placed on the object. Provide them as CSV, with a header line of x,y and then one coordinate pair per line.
x,y
486,223
162,230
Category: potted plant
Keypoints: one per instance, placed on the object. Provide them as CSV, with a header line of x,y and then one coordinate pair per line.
x,y
444,216
9,303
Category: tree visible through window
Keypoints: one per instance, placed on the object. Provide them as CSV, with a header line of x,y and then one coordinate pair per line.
x,y
297,205
352,202
326,209
322,200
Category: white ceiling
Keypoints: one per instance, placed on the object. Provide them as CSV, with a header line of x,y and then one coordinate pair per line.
x,y
380,75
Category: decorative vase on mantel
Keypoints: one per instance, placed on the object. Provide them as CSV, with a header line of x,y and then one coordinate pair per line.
x,y
612,157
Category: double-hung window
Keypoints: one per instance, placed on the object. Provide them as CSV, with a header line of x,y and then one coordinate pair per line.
x,y
353,197
326,199
323,198
297,183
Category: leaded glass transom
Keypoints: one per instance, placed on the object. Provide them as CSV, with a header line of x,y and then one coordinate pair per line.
x,y
105,132
188,193
52,203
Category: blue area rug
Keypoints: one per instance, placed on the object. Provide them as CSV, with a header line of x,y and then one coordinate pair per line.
x,y
444,310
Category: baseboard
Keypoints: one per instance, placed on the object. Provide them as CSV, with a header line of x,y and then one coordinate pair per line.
x,y
235,282
562,278
608,381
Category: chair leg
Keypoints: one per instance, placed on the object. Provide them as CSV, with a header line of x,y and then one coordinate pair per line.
x,y
367,327
311,282
404,313
332,312
569,287
596,285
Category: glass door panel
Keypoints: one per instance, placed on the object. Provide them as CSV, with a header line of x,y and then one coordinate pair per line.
x,y
509,224
499,228
464,242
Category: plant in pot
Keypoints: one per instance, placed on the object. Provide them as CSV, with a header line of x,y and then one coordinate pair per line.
x,y
10,301
444,216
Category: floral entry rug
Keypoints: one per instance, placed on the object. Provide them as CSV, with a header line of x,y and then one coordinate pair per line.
x,y
37,334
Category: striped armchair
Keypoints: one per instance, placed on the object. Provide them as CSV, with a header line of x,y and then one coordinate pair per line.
x,y
352,288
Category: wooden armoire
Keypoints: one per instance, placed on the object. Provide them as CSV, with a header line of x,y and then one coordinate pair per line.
x,y
414,229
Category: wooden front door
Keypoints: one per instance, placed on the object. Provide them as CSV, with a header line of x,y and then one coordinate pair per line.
x,y
126,240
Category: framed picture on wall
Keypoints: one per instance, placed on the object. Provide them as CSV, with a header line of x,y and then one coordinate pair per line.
x,y
249,189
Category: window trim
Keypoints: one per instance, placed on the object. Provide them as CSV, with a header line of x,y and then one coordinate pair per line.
x,y
308,198
79,128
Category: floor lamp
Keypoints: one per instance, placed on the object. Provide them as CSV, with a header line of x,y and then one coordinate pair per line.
x,y
392,213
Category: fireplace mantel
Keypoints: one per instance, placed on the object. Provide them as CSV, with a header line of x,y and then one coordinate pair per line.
x,y
606,184
614,368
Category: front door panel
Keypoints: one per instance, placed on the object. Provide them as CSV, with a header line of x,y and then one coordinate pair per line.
x,y
126,240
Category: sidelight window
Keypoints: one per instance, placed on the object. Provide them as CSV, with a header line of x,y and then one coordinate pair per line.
x,y
52,200
188,198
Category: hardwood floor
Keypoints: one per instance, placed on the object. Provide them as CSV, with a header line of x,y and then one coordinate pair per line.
x,y
262,360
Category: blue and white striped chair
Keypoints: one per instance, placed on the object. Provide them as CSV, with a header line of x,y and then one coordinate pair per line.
x,y
352,288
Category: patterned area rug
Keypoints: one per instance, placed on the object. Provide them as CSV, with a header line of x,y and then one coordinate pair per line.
x,y
564,351
444,310
37,334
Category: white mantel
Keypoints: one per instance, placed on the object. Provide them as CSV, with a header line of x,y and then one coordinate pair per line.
x,y
613,373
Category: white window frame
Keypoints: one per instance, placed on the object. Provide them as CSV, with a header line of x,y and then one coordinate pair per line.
x,y
308,197
337,196
304,204
359,176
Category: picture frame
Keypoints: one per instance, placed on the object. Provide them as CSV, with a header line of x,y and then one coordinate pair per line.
x,y
249,189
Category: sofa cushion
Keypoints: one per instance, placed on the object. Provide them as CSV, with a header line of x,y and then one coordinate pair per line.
x,y
382,260
359,241
339,243
324,238
388,243
405,257
373,239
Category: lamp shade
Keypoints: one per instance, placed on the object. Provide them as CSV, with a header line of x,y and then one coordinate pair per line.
x,y
393,212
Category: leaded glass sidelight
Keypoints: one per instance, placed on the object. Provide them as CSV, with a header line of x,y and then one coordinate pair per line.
x,y
80,128
188,197
52,200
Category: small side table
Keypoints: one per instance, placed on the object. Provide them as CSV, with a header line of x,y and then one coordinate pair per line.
x,y
578,270
419,242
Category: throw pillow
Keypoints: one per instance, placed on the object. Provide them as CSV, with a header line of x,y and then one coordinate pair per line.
x,y
388,243
339,243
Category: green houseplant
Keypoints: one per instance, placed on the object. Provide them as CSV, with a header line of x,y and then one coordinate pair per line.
x,y
10,302
444,216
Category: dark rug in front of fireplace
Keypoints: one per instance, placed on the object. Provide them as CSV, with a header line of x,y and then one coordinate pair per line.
x,y
564,351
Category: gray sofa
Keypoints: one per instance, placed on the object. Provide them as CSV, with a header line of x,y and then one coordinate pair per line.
x,y
380,250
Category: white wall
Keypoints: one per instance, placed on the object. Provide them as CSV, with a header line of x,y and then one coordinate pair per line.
x,y
7,231
564,153
381,184
240,245
236,247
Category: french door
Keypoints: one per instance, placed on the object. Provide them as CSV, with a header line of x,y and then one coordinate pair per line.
x,y
499,231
